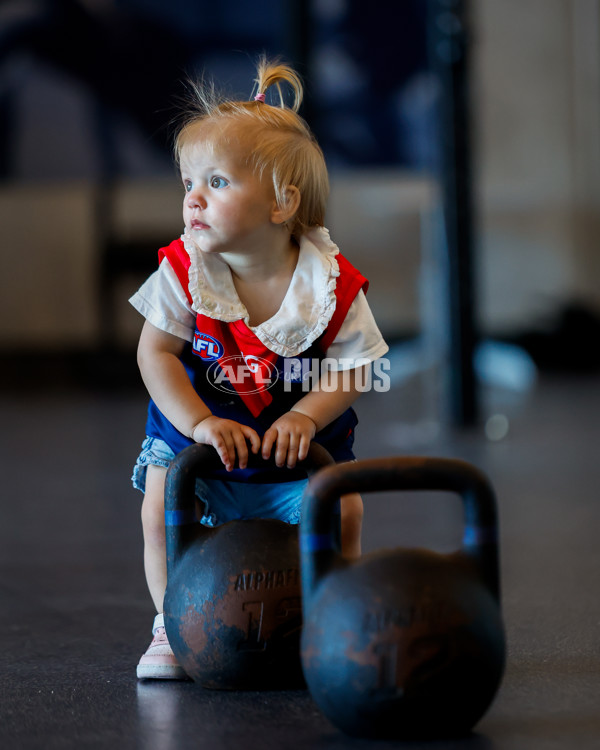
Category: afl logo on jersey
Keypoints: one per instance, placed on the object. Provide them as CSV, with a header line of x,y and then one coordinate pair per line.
x,y
206,347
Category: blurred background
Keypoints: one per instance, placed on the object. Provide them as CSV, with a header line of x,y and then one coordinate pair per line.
x,y
89,90
463,145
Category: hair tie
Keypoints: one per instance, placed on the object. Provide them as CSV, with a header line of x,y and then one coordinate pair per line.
x,y
259,98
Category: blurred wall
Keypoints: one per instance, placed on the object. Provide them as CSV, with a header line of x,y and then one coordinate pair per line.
x,y
537,109
536,96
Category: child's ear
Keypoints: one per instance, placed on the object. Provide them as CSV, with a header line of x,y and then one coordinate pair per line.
x,y
281,214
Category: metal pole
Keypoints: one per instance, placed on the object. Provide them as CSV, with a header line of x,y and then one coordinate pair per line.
x,y
449,48
299,45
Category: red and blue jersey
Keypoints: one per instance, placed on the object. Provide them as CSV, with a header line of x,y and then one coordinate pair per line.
x,y
240,378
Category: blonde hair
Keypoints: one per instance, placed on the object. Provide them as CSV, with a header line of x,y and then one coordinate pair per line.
x,y
279,143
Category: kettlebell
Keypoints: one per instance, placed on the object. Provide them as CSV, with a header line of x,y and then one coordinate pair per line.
x,y
232,606
405,643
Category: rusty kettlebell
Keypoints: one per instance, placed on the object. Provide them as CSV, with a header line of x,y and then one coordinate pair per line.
x,y
408,643
233,601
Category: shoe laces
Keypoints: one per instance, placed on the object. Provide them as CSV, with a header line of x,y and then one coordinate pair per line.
x,y
160,635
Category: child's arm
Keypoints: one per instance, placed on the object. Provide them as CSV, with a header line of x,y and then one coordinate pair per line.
x,y
292,432
169,386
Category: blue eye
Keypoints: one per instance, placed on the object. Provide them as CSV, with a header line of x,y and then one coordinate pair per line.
x,y
187,186
218,182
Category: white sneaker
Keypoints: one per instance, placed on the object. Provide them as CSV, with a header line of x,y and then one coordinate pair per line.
x,y
159,662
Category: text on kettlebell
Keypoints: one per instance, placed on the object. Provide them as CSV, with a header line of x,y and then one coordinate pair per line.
x,y
258,580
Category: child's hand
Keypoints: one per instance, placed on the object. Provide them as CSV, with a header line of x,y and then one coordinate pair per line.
x,y
228,438
291,434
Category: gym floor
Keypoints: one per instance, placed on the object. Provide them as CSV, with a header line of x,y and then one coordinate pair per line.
x,y
76,615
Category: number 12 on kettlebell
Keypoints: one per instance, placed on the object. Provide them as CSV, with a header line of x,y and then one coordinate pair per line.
x,y
408,643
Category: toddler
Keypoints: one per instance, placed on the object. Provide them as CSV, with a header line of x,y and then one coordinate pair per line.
x,y
257,334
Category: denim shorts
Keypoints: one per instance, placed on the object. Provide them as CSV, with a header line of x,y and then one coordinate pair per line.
x,y
227,501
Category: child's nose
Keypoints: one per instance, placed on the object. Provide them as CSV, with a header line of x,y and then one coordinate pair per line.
x,y
195,199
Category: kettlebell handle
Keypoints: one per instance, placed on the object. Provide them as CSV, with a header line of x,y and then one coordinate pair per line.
x,y
180,489
480,537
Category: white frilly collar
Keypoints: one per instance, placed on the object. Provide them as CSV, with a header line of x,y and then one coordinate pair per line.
x,y
307,306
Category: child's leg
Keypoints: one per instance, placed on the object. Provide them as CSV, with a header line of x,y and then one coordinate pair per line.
x,y
158,662
153,525
351,521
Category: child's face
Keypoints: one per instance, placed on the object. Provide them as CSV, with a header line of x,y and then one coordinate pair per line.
x,y
226,208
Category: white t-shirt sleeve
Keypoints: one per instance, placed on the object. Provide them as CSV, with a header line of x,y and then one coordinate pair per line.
x,y
359,340
163,302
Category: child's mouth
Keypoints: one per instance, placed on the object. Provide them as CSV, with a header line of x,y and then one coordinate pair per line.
x,y
197,224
